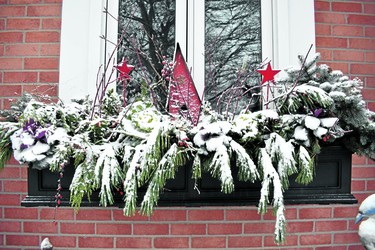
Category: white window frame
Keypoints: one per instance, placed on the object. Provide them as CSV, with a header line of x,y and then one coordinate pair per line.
x,y
288,29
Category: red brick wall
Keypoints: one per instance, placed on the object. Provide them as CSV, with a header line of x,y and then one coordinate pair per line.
x,y
29,54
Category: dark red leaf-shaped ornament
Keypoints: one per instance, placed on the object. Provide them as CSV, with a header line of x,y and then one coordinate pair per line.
x,y
183,96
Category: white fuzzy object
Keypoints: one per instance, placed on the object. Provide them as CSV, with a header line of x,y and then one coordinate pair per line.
x,y
46,244
366,230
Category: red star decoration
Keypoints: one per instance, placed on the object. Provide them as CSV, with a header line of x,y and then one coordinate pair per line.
x,y
268,73
124,69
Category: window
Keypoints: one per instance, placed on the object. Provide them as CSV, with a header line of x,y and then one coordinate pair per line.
x,y
82,52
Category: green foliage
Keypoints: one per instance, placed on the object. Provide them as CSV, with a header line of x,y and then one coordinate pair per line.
x,y
6,131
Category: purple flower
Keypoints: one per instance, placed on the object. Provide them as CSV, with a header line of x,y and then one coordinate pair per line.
x,y
318,112
30,126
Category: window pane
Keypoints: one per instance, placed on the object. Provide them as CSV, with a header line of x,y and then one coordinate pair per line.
x,y
149,33
233,52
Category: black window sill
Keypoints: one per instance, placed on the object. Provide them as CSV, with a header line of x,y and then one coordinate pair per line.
x,y
332,184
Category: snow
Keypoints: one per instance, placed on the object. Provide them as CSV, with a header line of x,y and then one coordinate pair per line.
x,y
328,122
300,133
311,122
320,132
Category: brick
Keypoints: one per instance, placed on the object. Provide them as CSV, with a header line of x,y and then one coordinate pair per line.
x,y
348,55
358,160
95,242
59,214
345,30
315,213
10,200
225,228
370,31
188,229
330,17
45,10
10,90
10,63
39,227
50,50
369,8
244,241
41,63
22,240
114,229
370,56
11,37
94,214
205,215
291,240
345,211
315,239
344,67
330,248
2,24
9,11
15,186
345,238
24,1
168,215
175,242
330,226
118,215
330,42
325,54
208,242
77,228
10,173
20,77
134,242
259,227
23,23
371,185
300,226
346,7
62,241
10,226
51,23
358,185
322,5
369,94
322,29
242,214
364,69
42,36
53,1
49,77
22,50
150,229
49,90
290,214
21,213
361,19
357,43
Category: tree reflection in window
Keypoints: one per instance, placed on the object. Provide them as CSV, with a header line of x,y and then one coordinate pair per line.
x,y
233,53
149,33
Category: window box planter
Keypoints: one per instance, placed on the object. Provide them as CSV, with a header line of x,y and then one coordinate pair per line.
x,y
331,185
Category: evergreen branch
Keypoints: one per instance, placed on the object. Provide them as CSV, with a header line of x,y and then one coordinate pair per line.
x,y
6,131
220,168
166,170
130,182
306,164
247,169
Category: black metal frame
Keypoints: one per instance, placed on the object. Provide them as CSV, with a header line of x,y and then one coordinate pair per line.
x,y
332,184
